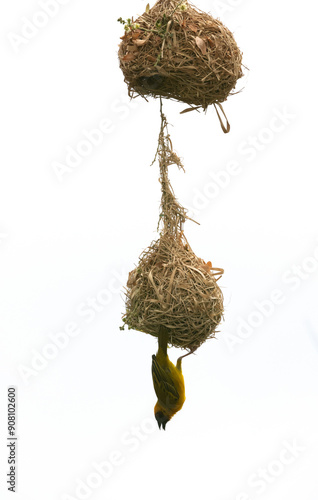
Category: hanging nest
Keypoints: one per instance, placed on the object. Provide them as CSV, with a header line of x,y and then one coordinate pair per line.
x,y
171,286
179,52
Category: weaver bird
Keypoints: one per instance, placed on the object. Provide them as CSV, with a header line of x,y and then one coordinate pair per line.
x,y
168,382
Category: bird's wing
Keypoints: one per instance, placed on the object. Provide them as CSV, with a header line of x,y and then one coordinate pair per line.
x,y
163,383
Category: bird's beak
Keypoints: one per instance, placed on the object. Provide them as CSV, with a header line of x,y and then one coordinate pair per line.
x,y
161,419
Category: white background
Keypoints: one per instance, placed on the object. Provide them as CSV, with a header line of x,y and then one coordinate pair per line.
x,y
67,245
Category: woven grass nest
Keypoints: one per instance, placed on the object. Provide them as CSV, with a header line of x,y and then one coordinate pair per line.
x,y
179,52
174,288
171,286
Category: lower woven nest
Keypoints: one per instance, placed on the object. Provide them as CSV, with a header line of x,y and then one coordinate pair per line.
x,y
171,286
174,288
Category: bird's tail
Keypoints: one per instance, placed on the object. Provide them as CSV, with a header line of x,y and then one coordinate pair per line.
x,y
163,338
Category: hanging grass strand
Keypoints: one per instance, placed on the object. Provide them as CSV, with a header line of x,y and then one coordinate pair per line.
x,y
173,215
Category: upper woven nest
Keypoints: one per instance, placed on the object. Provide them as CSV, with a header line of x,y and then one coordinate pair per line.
x,y
177,51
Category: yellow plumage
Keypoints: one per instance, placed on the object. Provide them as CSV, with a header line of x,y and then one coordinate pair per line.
x,y
168,382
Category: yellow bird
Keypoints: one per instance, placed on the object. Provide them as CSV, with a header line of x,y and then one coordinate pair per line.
x,y
168,382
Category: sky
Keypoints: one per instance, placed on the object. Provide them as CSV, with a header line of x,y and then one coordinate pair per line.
x,y
70,235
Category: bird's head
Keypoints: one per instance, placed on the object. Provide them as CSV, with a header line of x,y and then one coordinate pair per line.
x,y
162,419
161,416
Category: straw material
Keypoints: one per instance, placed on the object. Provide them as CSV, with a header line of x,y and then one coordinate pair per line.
x,y
171,286
181,53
